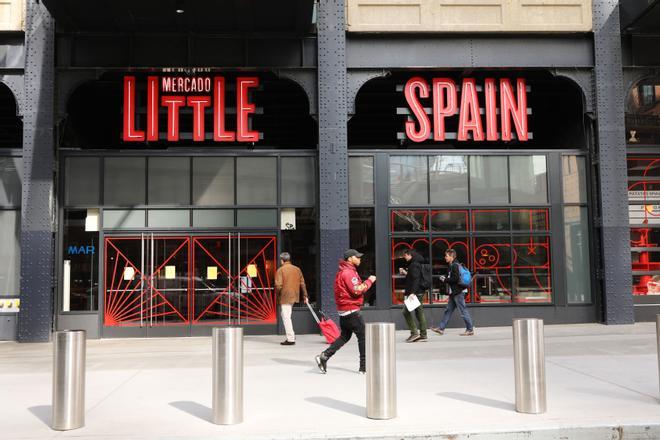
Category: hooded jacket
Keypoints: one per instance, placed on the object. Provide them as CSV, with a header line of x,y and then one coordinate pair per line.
x,y
349,288
414,276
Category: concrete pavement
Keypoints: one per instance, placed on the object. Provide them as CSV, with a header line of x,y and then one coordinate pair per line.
x,y
602,383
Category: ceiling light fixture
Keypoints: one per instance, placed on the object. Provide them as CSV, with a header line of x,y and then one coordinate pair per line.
x,y
179,7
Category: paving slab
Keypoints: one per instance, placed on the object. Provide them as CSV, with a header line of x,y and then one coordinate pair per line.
x,y
602,383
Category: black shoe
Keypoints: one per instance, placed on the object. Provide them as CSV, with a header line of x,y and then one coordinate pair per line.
x,y
413,338
288,343
322,363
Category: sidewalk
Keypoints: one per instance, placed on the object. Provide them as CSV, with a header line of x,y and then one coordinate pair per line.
x,y
602,384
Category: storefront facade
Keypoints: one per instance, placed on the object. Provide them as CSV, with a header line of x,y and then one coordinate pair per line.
x,y
182,165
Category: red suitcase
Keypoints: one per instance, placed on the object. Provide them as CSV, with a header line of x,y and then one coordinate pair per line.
x,y
328,327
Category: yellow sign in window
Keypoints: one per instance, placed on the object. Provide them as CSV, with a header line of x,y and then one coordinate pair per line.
x,y
211,272
170,272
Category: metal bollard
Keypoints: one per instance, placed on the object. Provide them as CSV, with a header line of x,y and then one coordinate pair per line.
x,y
657,334
68,380
227,375
381,371
529,365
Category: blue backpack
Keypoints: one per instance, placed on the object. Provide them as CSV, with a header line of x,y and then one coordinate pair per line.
x,y
465,277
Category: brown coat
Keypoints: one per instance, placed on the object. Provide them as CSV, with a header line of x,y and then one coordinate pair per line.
x,y
289,281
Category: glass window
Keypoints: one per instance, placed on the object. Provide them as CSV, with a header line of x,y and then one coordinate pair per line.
x,y
574,174
257,218
410,220
449,179
169,218
298,180
82,181
123,218
531,269
302,244
529,179
362,232
489,179
124,181
10,252
578,273
210,218
360,180
169,181
438,246
530,219
408,180
256,180
80,287
213,181
490,220
492,270
450,220
10,181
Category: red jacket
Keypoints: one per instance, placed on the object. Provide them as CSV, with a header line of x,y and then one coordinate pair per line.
x,y
349,288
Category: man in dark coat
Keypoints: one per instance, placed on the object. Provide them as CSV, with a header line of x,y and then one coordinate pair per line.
x,y
414,287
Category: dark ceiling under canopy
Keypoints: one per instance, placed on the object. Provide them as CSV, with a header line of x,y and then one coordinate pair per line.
x,y
188,16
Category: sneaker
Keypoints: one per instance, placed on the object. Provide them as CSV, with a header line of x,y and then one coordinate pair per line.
x,y
423,338
288,343
413,338
362,371
438,330
322,363
468,333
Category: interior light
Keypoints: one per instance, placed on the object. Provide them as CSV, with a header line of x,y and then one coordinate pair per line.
x,y
179,7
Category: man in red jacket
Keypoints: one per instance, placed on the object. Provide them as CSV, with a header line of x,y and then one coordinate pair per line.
x,y
349,296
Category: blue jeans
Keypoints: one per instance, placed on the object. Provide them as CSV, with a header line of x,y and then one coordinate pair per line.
x,y
455,301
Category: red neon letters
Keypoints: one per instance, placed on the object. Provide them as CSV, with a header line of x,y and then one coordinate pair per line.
x,y
444,94
198,103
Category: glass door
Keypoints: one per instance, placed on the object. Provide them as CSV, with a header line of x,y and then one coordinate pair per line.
x,y
234,279
156,285
147,286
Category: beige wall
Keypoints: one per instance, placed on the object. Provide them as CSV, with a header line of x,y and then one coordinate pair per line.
x,y
12,14
468,15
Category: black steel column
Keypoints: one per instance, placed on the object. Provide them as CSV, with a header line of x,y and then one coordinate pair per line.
x,y
333,159
35,318
612,170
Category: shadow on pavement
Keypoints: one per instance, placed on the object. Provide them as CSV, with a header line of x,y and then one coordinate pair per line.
x,y
478,400
309,363
346,407
193,408
43,413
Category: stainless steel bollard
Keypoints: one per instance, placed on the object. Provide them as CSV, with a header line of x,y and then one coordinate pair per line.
x,y
529,365
657,334
68,380
381,370
227,375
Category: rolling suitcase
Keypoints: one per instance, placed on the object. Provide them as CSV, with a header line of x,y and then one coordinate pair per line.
x,y
328,327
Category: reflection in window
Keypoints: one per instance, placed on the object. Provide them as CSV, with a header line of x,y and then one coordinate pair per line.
x,y
409,220
256,180
124,181
213,181
80,262
489,179
10,252
643,113
449,179
361,180
169,181
362,233
529,182
82,181
576,236
490,220
574,174
302,244
298,180
447,220
408,180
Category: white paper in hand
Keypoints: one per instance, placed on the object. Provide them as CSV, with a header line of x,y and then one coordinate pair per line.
x,y
412,302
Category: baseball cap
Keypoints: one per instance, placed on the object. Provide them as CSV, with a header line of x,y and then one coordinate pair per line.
x,y
352,253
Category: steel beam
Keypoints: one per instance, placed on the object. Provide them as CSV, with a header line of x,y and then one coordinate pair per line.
x,y
333,158
611,167
35,319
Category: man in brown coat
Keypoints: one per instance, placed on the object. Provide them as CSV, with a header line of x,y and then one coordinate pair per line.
x,y
289,282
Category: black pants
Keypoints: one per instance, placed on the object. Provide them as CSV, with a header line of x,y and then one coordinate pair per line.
x,y
349,324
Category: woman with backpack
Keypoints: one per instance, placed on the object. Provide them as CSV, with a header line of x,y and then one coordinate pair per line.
x,y
417,283
458,279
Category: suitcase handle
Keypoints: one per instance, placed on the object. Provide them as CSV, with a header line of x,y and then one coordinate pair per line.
x,y
316,318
